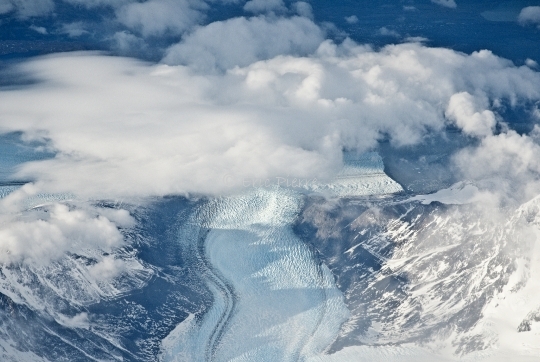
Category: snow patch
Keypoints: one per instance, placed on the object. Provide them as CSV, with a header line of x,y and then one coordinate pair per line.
x,y
459,193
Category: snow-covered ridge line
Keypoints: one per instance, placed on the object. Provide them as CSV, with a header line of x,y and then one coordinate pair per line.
x,y
459,193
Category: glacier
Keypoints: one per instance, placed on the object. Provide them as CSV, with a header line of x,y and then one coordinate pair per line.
x,y
273,301
345,273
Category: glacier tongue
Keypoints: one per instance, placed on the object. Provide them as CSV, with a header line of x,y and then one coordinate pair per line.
x,y
273,301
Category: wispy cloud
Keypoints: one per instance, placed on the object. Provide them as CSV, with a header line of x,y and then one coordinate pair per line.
x,y
529,15
446,3
24,9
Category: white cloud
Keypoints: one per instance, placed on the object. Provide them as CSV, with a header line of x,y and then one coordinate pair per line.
x,y
6,6
77,321
531,63
446,3
45,234
353,19
119,217
241,41
303,8
107,268
124,128
506,164
74,30
126,43
39,29
384,31
416,39
158,17
262,6
473,118
89,4
529,15
27,8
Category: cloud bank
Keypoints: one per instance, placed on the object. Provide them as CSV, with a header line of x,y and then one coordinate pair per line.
x,y
121,127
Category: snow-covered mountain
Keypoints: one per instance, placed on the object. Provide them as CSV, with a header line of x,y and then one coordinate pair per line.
x,y
286,274
426,274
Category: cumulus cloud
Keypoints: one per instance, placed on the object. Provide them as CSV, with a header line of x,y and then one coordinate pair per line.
x,y
107,268
46,233
384,31
27,8
506,164
262,6
529,15
446,3
531,63
303,8
473,118
497,152
158,17
79,320
39,29
353,19
74,30
6,6
126,43
242,41
122,127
